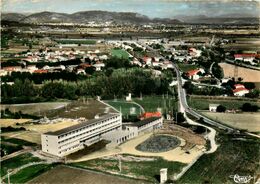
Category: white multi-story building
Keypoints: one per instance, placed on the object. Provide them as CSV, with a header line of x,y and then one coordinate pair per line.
x,y
71,139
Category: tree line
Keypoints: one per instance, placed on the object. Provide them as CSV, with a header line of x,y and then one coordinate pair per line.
x,y
118,84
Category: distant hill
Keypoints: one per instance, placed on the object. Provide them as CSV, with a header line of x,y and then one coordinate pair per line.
x,y
125,18
88,16
16,17
223,19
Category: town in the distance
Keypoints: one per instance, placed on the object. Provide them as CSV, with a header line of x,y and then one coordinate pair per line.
x,y
102,96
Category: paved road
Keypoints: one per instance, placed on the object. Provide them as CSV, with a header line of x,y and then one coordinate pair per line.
x,y
185,107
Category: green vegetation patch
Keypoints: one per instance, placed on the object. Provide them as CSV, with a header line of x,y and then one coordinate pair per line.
x,y
147,170
17,162
187,67
17,141
152,103
119,53
236,155
29,173
7,149
125,107
203,104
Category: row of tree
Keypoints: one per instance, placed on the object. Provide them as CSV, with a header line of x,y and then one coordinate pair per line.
x,y
119,83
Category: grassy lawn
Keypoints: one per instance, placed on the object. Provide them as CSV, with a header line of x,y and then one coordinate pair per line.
x,y
244,121
234,156
186,67
16,162
19,142
29,173
8,149
146,170
119,53
151,103
203,104
125,107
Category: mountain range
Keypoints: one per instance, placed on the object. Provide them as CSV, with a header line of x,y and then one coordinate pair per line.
x,y
122,18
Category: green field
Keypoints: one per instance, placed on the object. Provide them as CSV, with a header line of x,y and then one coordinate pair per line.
x,y
186,67
151,103
125,107
29,173
203,104
16,162
119,53
89,42
234,156
146,170
18,142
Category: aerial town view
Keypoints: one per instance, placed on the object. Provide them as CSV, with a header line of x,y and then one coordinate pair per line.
x,y
130,92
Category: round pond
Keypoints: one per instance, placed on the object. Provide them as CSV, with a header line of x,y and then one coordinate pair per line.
x,y
159,143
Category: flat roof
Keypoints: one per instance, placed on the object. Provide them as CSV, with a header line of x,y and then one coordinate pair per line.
x,y
145,121
80,125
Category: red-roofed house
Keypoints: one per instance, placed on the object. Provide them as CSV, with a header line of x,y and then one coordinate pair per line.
x,y
193,74
240,90
150,114
40,71
147,60
245,57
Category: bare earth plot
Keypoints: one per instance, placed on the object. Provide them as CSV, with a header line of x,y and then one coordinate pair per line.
x,y
12,122
66,175
246,121
34,131
248,75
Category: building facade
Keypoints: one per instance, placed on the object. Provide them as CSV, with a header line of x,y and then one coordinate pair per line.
x,y
71,139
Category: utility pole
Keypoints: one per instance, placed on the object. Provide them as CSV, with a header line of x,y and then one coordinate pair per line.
x,y
8,176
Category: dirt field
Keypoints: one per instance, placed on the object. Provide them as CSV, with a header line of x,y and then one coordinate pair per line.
x,y
12,122
65,175
248,121
33,133
248,75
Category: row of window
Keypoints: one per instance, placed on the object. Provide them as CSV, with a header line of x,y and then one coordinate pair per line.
x,y
78,135
85,127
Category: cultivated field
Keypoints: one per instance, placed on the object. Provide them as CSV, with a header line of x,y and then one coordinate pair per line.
x,y
245,121
62,174
203,103
248,75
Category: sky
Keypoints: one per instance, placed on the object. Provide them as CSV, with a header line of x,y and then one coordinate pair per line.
x,y
150,8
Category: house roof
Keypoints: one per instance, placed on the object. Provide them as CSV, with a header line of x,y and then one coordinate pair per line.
x,y
239,86
240,89
145,121
151,114
40,71
245,55
81,125
192,72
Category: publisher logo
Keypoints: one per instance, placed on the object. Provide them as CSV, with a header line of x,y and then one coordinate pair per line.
x,y
241,179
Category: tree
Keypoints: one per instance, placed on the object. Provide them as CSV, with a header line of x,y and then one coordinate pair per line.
x,y
221,108
247,107
180,117
189,87
253,94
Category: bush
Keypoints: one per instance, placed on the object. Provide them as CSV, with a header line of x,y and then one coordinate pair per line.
x,y
221,108
247,107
